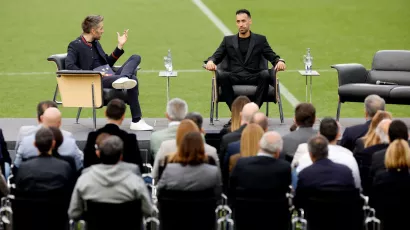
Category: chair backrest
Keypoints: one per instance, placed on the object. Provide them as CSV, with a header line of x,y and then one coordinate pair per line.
x,y
260,209
390,66
224,65
187,209
340,208
107,216
77,89
40,210
59,59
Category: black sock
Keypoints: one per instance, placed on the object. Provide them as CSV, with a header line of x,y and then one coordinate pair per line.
x,y
136,119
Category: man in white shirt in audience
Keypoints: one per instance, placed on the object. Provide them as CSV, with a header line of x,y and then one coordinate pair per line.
x,y
338,154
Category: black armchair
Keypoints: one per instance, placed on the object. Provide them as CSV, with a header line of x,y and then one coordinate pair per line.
x,y
98,101
245,90
389,78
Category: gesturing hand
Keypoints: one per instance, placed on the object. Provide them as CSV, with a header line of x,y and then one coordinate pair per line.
x,y
122,39
280,66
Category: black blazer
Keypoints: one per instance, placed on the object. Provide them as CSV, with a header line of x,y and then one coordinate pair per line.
x,y
258,48
351,134
131,149
227,139
5,155
260,173
79,55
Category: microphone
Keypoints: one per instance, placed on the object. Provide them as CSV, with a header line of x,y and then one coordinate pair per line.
x,y
385,83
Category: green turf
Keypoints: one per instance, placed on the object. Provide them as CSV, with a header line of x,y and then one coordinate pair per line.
x,y
336,31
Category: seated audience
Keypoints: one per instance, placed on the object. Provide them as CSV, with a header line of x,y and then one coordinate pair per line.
x,y
190,161
323,173
372,104
246,116
176,112
51,118
115,113
397,131
263,172
44,173
58,138
235,121
337,154
109,182
391,188
305,116
4,155
170,147
371,138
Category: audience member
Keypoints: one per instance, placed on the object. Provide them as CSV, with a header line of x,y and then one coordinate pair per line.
x,y
176,112
169,147
305,116
109,182
372,104
397,131
50,118
337,154
58,138
115,114
190,161
4,155
235,121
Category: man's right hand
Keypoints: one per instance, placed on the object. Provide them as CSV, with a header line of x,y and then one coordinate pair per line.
x,y
210,65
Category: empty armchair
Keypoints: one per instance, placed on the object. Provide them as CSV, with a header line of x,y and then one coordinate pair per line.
x,y
389,78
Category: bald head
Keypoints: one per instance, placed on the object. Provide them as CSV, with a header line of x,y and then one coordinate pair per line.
x,y
260,119
248,111
271,143
382,130
52,117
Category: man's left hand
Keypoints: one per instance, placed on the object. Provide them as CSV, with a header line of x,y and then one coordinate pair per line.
x,y
280,66
122,39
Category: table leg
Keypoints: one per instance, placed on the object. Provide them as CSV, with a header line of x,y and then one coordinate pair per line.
x,y
167,89
306,98
310,89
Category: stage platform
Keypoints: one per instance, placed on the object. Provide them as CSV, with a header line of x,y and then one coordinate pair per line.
x,y
10,127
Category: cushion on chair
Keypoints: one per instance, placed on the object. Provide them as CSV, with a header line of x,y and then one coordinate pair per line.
x,y
110,94
392,60
358,92
401,92
398,77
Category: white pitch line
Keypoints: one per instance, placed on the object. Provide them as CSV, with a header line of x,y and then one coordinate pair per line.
x,y
144,71
225,30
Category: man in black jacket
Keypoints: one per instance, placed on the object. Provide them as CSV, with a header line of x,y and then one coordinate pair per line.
x,y
115,114
86,53
244,52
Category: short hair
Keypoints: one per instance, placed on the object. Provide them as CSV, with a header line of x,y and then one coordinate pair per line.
x,y
398,130
273,145
115,109
397,155
373,103
42,106
185,127
177,109
236,108
260,119
90,22
305,114
58,137
318,147
111,150
250,138
195,117
44,140
329,128
191,151
243,11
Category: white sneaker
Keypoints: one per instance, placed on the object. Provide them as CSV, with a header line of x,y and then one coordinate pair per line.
x,y
140,126
124,83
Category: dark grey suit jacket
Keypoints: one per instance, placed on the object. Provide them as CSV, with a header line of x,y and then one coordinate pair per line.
x,y
292,140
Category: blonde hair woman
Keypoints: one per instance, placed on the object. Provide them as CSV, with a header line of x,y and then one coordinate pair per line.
x,y
236,109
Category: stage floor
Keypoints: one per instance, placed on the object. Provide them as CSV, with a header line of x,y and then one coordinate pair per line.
x,y
10,127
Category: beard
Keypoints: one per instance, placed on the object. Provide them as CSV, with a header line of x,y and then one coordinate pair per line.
x,y
243,31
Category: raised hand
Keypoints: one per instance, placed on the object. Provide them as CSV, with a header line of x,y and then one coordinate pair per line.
x,y
122,39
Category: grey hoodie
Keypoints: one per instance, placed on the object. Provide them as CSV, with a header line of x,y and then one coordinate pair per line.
x,y
110,184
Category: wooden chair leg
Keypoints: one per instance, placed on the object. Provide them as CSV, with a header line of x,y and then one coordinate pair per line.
x,y
211,115
78,115
279,101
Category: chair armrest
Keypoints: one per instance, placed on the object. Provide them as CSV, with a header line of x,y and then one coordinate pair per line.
x,y
77,72
350,73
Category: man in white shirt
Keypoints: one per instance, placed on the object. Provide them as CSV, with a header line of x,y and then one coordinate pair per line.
x,y
338,154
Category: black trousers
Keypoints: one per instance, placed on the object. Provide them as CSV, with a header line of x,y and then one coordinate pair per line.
x,y
128,70
261,80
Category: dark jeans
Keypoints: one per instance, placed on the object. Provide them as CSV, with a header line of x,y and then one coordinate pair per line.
x,y
261,80
128,70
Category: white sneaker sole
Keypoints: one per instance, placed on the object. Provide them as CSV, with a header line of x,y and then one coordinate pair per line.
x,y
127,84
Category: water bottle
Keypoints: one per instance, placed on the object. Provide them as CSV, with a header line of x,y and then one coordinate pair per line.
x,y
308,61
168,61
